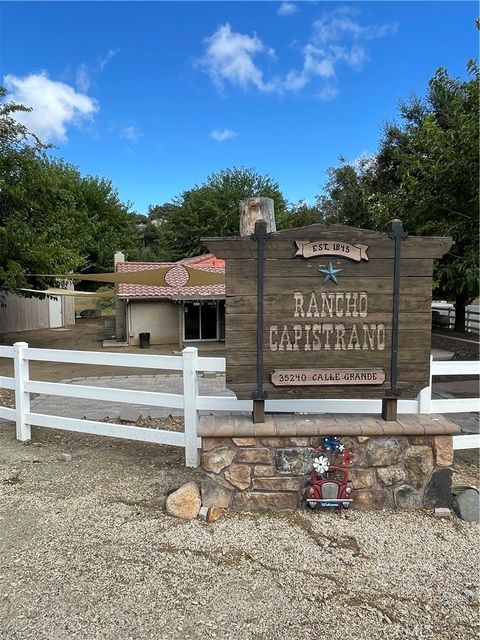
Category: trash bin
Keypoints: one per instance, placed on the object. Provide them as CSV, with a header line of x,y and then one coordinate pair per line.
x,y
144,340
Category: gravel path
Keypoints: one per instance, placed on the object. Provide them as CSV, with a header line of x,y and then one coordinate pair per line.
x,y
87,553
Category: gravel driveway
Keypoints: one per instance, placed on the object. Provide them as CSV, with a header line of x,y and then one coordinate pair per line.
x,y
87,552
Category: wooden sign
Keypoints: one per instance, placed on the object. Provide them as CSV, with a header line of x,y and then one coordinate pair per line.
x,y
328,301
309,249
294,377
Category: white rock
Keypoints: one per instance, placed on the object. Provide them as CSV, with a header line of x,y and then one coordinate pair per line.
x,y
203,513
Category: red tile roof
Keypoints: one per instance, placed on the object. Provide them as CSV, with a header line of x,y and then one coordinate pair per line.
x,y
177,277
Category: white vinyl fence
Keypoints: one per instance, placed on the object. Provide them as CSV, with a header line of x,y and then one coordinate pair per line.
x,y
189,363
445,317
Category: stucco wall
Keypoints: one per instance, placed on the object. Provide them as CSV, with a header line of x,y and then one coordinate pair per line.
x,y
160,319
27,314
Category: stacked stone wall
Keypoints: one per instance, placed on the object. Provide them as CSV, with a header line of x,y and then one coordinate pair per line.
x,y
402,472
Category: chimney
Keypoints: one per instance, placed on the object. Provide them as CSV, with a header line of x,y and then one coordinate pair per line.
x,y
118,257
120,305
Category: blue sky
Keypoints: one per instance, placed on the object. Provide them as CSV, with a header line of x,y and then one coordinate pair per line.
x,y
155,96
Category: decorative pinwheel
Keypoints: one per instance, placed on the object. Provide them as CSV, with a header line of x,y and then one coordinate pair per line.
x,y
347,458
332,443
321,464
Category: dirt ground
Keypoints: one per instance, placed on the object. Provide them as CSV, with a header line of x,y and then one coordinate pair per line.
x,y
87,335
88,552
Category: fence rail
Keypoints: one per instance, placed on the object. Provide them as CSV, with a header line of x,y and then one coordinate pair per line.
x,y
189,364
445,316
128,396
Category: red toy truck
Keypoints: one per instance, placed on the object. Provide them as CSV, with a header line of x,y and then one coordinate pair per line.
x,y
333,490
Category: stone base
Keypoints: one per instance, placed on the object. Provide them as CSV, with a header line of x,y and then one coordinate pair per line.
x,y
402,472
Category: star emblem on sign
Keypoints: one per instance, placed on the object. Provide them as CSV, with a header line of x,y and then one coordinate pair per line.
x,y
330,273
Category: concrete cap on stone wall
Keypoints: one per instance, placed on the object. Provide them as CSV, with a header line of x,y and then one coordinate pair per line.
x,y
325,425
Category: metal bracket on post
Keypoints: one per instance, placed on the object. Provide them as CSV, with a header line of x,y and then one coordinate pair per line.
x,y
22,396
389,404
259,395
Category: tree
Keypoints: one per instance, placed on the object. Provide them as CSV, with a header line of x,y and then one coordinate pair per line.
x,y
425,173
349,194
302,214
111,226
212,210
106,306
434,161
13,134
161,212
149,233
52,220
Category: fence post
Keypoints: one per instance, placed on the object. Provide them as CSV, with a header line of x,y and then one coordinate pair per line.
x,y
22,397
190,393
425,395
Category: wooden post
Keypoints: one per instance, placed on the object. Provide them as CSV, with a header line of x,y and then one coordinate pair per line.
x,y
253,209
190,393
389,405
258,411
22,396
389,409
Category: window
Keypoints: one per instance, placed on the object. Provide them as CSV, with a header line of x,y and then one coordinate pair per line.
x,y
200,320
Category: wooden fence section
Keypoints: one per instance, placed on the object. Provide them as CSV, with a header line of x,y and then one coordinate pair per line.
x,y
189,364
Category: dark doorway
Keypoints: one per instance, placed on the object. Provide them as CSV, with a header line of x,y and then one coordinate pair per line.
x,y
203,320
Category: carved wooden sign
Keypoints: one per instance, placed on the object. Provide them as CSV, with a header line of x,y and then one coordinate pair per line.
x,y
293,377
327,312
309,249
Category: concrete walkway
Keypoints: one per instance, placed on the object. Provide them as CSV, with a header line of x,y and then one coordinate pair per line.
x,y
167,383
99,409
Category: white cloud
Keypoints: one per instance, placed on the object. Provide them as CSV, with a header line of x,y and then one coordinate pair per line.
x,y
55,105
82,78
85,72
130,132
229,57
316,62
102,63
287,9
223,134
326,93
340,23
338,38
334,41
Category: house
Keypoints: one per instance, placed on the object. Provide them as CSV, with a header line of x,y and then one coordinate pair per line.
x,y
175,314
